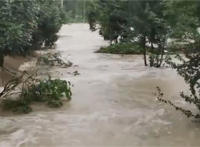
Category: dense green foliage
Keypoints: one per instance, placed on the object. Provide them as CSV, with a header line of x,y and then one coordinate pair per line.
x,y
26,25
17,24
51,92
112,19
121,48
49,21
142,22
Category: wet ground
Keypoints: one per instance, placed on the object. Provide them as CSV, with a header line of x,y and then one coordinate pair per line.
x,y
113,103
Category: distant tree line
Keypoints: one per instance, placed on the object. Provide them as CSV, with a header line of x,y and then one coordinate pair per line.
x,y
75,10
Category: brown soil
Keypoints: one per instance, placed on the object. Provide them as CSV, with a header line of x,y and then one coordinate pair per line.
x,y
12,65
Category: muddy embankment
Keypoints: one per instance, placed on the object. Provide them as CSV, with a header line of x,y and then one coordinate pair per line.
x,y
12,66
38,64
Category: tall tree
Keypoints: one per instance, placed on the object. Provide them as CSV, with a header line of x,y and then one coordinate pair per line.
x,y
150,26
25,23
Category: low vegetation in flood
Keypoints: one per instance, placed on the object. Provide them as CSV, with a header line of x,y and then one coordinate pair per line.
x,y
51,59
20,93
121,48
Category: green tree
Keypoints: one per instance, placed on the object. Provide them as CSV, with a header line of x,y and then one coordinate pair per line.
x,y
48,23
141,22
92,14
112,18
150,27
26,25
17,22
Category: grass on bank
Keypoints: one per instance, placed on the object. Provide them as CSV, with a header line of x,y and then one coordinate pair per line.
x,y
121,48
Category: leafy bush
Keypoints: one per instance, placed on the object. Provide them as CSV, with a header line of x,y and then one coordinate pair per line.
x,y
121,48
51,92
17,23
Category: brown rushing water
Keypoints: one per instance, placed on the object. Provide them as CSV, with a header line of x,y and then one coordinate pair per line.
x,y
113,103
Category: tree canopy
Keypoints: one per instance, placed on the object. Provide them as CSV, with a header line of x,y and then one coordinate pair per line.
x,y
26,25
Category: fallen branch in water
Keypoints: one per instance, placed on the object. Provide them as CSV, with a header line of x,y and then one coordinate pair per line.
x,y
10,86
12,72
53,60
160,98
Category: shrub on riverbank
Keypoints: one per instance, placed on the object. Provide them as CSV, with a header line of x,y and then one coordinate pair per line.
x,y
121,48
50,92
49,22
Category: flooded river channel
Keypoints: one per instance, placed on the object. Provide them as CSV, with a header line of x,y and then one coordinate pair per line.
x,y
113,103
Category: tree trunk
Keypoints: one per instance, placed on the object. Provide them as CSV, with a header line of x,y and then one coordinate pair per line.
x,y
1,59
161,47
145,57
143,43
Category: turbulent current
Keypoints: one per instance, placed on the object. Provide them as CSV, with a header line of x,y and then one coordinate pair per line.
x,y
113,103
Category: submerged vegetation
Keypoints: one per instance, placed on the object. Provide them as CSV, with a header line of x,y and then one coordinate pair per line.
x,y
53,60
20,93
121,48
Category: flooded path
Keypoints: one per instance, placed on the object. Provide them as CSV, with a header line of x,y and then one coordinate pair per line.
x,y
113,103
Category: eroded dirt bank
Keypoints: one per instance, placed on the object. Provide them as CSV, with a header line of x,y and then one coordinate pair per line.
x,y
113,103
12,64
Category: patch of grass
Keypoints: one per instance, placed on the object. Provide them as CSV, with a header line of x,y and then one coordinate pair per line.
x,y
121,48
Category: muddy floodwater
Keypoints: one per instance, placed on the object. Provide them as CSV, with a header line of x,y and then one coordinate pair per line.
x,y
113,103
